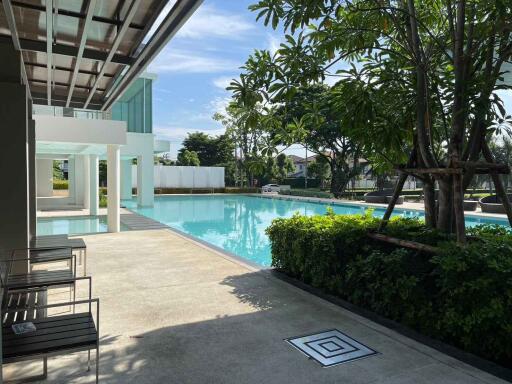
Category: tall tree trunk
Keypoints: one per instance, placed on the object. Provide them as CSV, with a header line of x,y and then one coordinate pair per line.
x,y
458,208
458,120
398,189
445,205
422,120
430,202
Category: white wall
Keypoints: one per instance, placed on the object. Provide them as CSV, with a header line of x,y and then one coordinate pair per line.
x,y
79,131
185,177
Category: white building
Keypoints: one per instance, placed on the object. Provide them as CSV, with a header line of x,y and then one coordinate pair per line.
x,y
85,137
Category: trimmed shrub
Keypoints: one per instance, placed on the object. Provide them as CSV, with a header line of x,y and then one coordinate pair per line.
x,y
170,191
306,193
60,184
299,182
461,295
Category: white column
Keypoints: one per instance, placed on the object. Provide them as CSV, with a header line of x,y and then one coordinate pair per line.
x,y
94,182
79,180
145,180
71,179
44,179
87,182
126,179
113,187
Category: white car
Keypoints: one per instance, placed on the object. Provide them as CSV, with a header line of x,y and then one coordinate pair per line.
x,y
271,188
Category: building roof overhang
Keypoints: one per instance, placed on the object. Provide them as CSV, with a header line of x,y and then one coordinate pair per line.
x,y
86,53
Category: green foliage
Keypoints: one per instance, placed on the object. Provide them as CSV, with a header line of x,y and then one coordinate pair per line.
x,y
57,171
298,182
461,295
188,158
103,198
475,284
60,184
319,169
306,193
211,150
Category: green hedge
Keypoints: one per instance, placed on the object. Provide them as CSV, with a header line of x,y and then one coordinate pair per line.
x,y
298,182
60,184
461,296
306,193
160,191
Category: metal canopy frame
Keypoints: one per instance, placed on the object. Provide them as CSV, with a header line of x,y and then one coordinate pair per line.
x,y
89,62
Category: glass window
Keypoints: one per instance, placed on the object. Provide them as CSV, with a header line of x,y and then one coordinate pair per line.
x,y
136,107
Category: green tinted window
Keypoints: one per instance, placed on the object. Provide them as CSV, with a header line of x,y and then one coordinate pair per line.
x,y
135,107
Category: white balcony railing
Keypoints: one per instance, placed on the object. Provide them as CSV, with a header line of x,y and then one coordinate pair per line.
x,y
49,110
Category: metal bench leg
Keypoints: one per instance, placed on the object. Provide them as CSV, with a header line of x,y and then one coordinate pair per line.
x,y
74,296
97,364
45,367
88,360
85,262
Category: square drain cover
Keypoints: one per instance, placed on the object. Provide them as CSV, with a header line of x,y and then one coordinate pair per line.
x,y
331,347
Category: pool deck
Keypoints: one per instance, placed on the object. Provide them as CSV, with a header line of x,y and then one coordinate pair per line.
x,y
175,311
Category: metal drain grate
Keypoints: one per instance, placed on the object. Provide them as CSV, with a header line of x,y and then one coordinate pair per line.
x,y
331,347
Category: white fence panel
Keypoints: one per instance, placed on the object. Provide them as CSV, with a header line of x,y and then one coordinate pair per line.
x,y
185,177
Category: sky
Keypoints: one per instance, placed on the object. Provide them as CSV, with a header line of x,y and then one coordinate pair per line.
x,y
199,62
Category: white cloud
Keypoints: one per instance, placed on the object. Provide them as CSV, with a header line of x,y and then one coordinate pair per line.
x,y
219,104
273,44
174,60
222,82
208,22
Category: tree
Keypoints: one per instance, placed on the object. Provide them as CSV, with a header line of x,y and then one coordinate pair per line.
x,y
284,166
247,127
57,170
211,150
188,158
440,62
311,110
320,170
164,160
501,148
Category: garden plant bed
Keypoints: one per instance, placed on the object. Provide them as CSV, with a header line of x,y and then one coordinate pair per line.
x,y
461,296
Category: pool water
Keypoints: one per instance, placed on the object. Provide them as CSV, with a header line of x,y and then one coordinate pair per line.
x,y
237,223
76,225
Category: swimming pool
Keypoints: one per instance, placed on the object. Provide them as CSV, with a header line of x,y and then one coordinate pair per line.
x,y
74,225
237,223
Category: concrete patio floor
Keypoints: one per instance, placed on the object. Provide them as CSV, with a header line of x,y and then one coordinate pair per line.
x,y
174,311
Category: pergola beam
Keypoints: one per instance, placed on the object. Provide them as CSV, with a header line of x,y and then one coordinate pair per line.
x,y
49,47
60,84
58,68
126,23
11,22
78,15
83,40
68,50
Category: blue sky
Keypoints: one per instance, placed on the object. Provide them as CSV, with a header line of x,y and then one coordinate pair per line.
x,y
199,62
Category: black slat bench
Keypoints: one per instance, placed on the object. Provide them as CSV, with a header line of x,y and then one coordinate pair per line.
x,y
62,241
54,335
36,279
20,301
49,255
